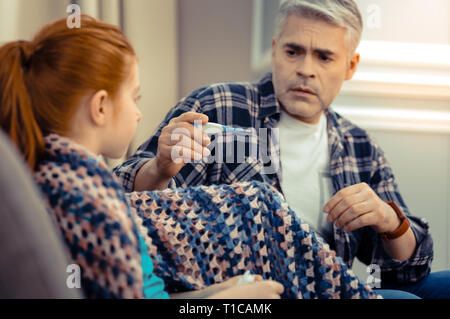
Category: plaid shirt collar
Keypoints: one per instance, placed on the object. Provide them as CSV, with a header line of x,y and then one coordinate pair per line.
x,y
269,105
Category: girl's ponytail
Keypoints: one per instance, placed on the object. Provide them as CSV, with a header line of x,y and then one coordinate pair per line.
x,y
17,117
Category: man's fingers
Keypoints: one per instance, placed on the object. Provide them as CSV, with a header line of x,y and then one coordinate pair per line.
x,y
341,195
345,203
194,146
175,131
359,222
191,117
180,154
276,287
351,213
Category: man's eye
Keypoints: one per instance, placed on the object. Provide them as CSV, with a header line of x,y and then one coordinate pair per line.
x,y
324,58
291,52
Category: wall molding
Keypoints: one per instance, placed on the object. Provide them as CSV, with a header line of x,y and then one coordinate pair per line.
x,y
399,84
403,120
401,54
393,69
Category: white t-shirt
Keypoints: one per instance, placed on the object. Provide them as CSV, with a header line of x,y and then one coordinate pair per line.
x,y
306,181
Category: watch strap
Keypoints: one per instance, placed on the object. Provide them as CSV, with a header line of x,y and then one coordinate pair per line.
x,y
404,224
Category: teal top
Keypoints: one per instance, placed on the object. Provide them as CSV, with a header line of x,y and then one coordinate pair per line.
x,y
153,285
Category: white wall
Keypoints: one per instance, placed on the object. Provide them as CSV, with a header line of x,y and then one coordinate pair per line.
x,y
20,19
413,15
214,41
152,28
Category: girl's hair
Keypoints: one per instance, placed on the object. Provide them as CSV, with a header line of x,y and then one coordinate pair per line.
x,y
43,81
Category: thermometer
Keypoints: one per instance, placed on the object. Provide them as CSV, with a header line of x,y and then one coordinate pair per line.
x,y
214,128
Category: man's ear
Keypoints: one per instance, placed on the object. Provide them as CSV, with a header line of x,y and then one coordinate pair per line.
x,y
274,45
99,108
352,66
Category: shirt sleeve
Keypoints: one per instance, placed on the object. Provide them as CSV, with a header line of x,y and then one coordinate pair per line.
x,y
395,271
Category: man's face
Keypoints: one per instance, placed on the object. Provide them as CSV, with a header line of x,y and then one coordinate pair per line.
x,y
310,64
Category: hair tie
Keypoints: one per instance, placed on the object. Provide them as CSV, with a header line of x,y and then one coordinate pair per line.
x,y
25,54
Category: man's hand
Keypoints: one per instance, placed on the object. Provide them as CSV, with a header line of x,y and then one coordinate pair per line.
x,y
229,289
358,206
178,144
263,289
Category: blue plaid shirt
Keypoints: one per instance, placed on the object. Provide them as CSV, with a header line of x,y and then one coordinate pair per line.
x,y
354,158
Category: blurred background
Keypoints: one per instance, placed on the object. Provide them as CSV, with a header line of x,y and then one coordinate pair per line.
x,y
400,94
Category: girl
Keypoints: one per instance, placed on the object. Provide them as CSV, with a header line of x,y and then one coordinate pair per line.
x,y
69,96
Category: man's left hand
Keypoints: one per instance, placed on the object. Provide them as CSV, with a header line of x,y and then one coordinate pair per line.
x,y
358,206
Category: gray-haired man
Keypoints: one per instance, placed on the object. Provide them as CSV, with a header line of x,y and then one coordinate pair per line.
x,y
324,162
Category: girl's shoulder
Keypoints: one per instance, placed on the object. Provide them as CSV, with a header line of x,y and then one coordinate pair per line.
x,y
80,186
90,208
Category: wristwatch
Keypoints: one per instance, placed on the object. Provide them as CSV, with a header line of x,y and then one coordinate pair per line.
x,y
404,224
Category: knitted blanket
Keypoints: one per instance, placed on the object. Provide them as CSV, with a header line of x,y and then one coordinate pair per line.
x,y
196,236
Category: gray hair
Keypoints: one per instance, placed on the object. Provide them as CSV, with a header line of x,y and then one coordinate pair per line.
x,y
343,13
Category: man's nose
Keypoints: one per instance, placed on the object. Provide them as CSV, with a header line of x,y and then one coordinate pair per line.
x,y
305,67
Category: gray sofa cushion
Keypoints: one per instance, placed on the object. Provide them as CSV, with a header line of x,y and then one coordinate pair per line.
x,y
33,257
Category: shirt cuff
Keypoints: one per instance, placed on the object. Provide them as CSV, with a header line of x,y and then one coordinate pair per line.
x,y
128,175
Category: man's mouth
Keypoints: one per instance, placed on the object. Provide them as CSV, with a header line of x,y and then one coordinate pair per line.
x,y
303,90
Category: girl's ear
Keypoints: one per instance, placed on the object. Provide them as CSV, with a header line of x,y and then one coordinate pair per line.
x,y
99,108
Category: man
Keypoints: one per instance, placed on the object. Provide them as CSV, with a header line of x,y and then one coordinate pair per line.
x,y
317,159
